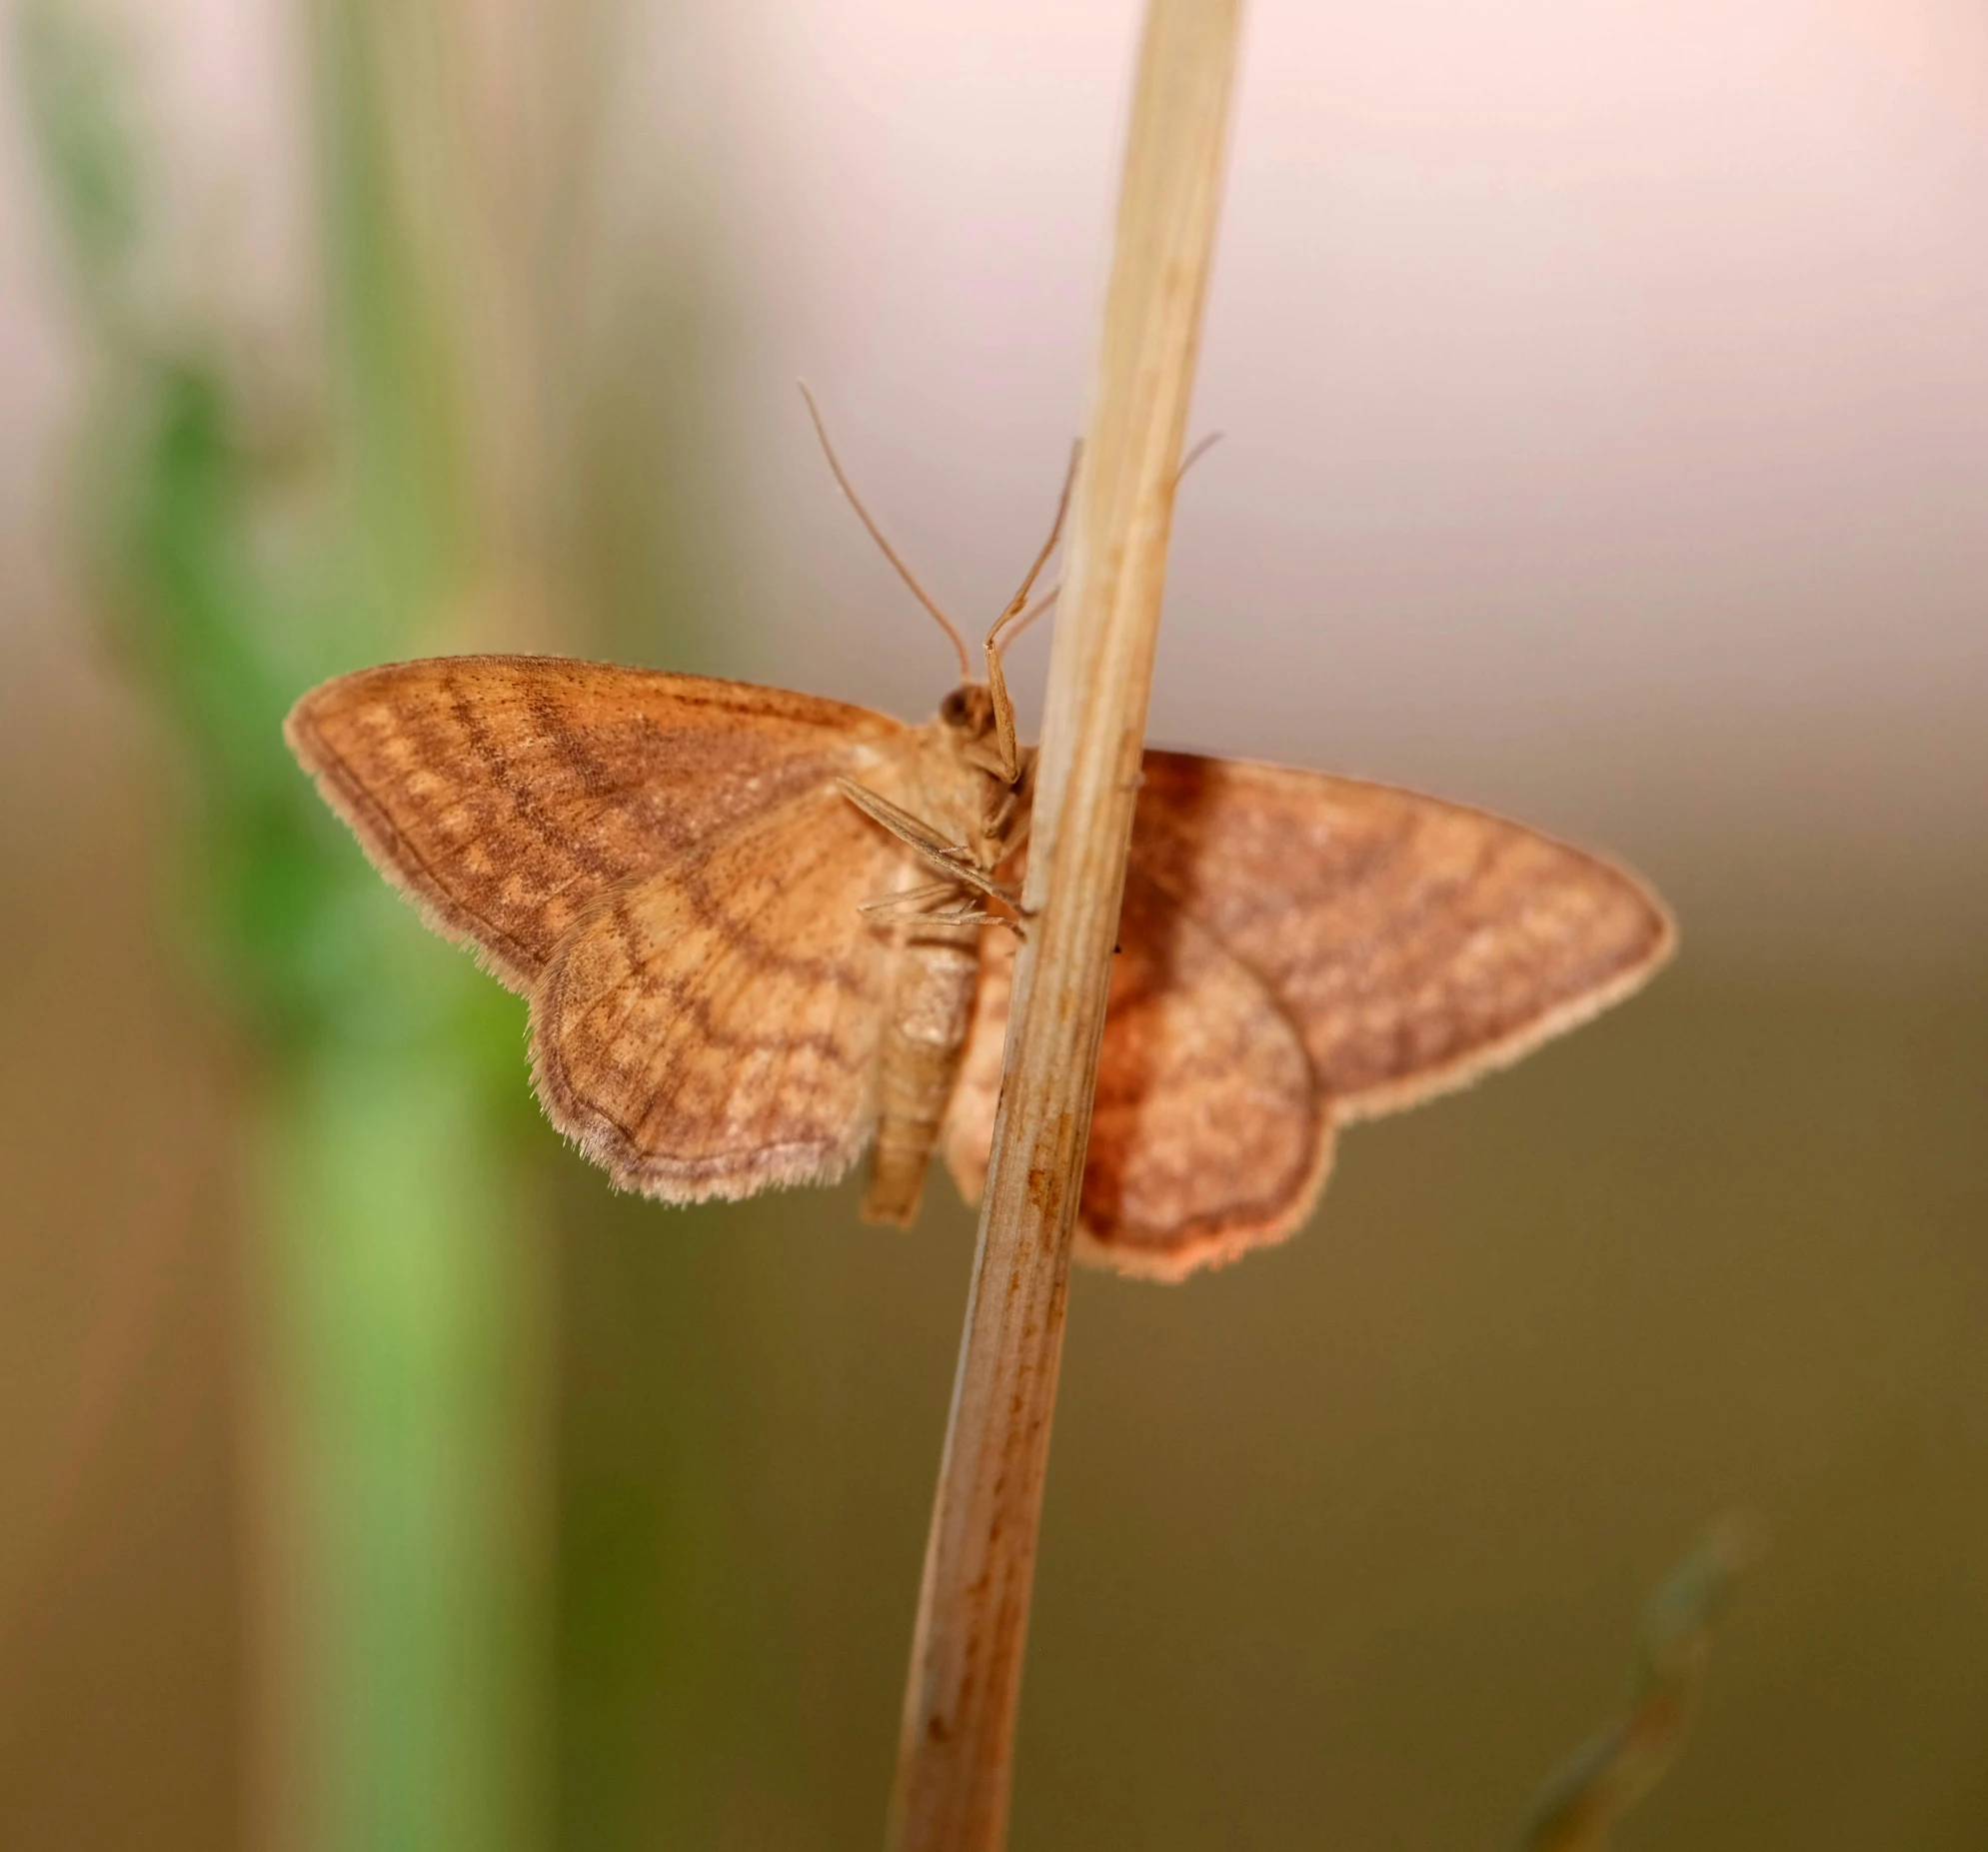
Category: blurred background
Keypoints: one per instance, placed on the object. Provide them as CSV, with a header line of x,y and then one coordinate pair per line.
x,y
1605,399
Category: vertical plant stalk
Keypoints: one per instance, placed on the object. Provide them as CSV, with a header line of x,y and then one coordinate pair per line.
x,y
956,1746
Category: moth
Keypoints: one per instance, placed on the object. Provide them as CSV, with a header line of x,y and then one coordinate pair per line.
x,y
761,932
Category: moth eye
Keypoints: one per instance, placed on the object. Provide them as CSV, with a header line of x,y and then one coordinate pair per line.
x,y
955,708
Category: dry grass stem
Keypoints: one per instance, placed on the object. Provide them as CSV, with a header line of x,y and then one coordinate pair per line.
x,y
959,1727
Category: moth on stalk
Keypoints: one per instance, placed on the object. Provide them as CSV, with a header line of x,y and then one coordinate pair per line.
x,y
762,931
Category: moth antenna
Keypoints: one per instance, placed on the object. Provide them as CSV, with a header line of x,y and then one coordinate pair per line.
x,y
1049,597
1034,611
1194,456
1003,703
1021,599
905,573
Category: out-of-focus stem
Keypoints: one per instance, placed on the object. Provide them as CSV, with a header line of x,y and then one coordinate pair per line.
x,y
401,1312
955,1754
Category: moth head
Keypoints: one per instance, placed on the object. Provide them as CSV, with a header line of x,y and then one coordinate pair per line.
x,y
975,712
968,709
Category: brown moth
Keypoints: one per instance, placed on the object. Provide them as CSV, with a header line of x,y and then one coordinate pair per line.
x,y
761,931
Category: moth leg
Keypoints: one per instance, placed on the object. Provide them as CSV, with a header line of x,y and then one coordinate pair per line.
x,y
902,824
1003,706
974,916
949,858
1011,822
1007,829
912,898
971,875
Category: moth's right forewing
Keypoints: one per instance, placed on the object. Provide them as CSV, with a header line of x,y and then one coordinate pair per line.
x,y
1415,943
710,1028
1297,950
506,793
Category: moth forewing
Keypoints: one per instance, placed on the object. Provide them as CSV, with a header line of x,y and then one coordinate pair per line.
x,y
1417,943
1402,945
504,793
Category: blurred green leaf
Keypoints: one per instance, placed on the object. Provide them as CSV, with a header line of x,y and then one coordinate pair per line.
x,y
1607,1776
407,1334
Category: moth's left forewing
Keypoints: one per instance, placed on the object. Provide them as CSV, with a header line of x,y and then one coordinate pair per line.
x,y
504,793
1416,944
